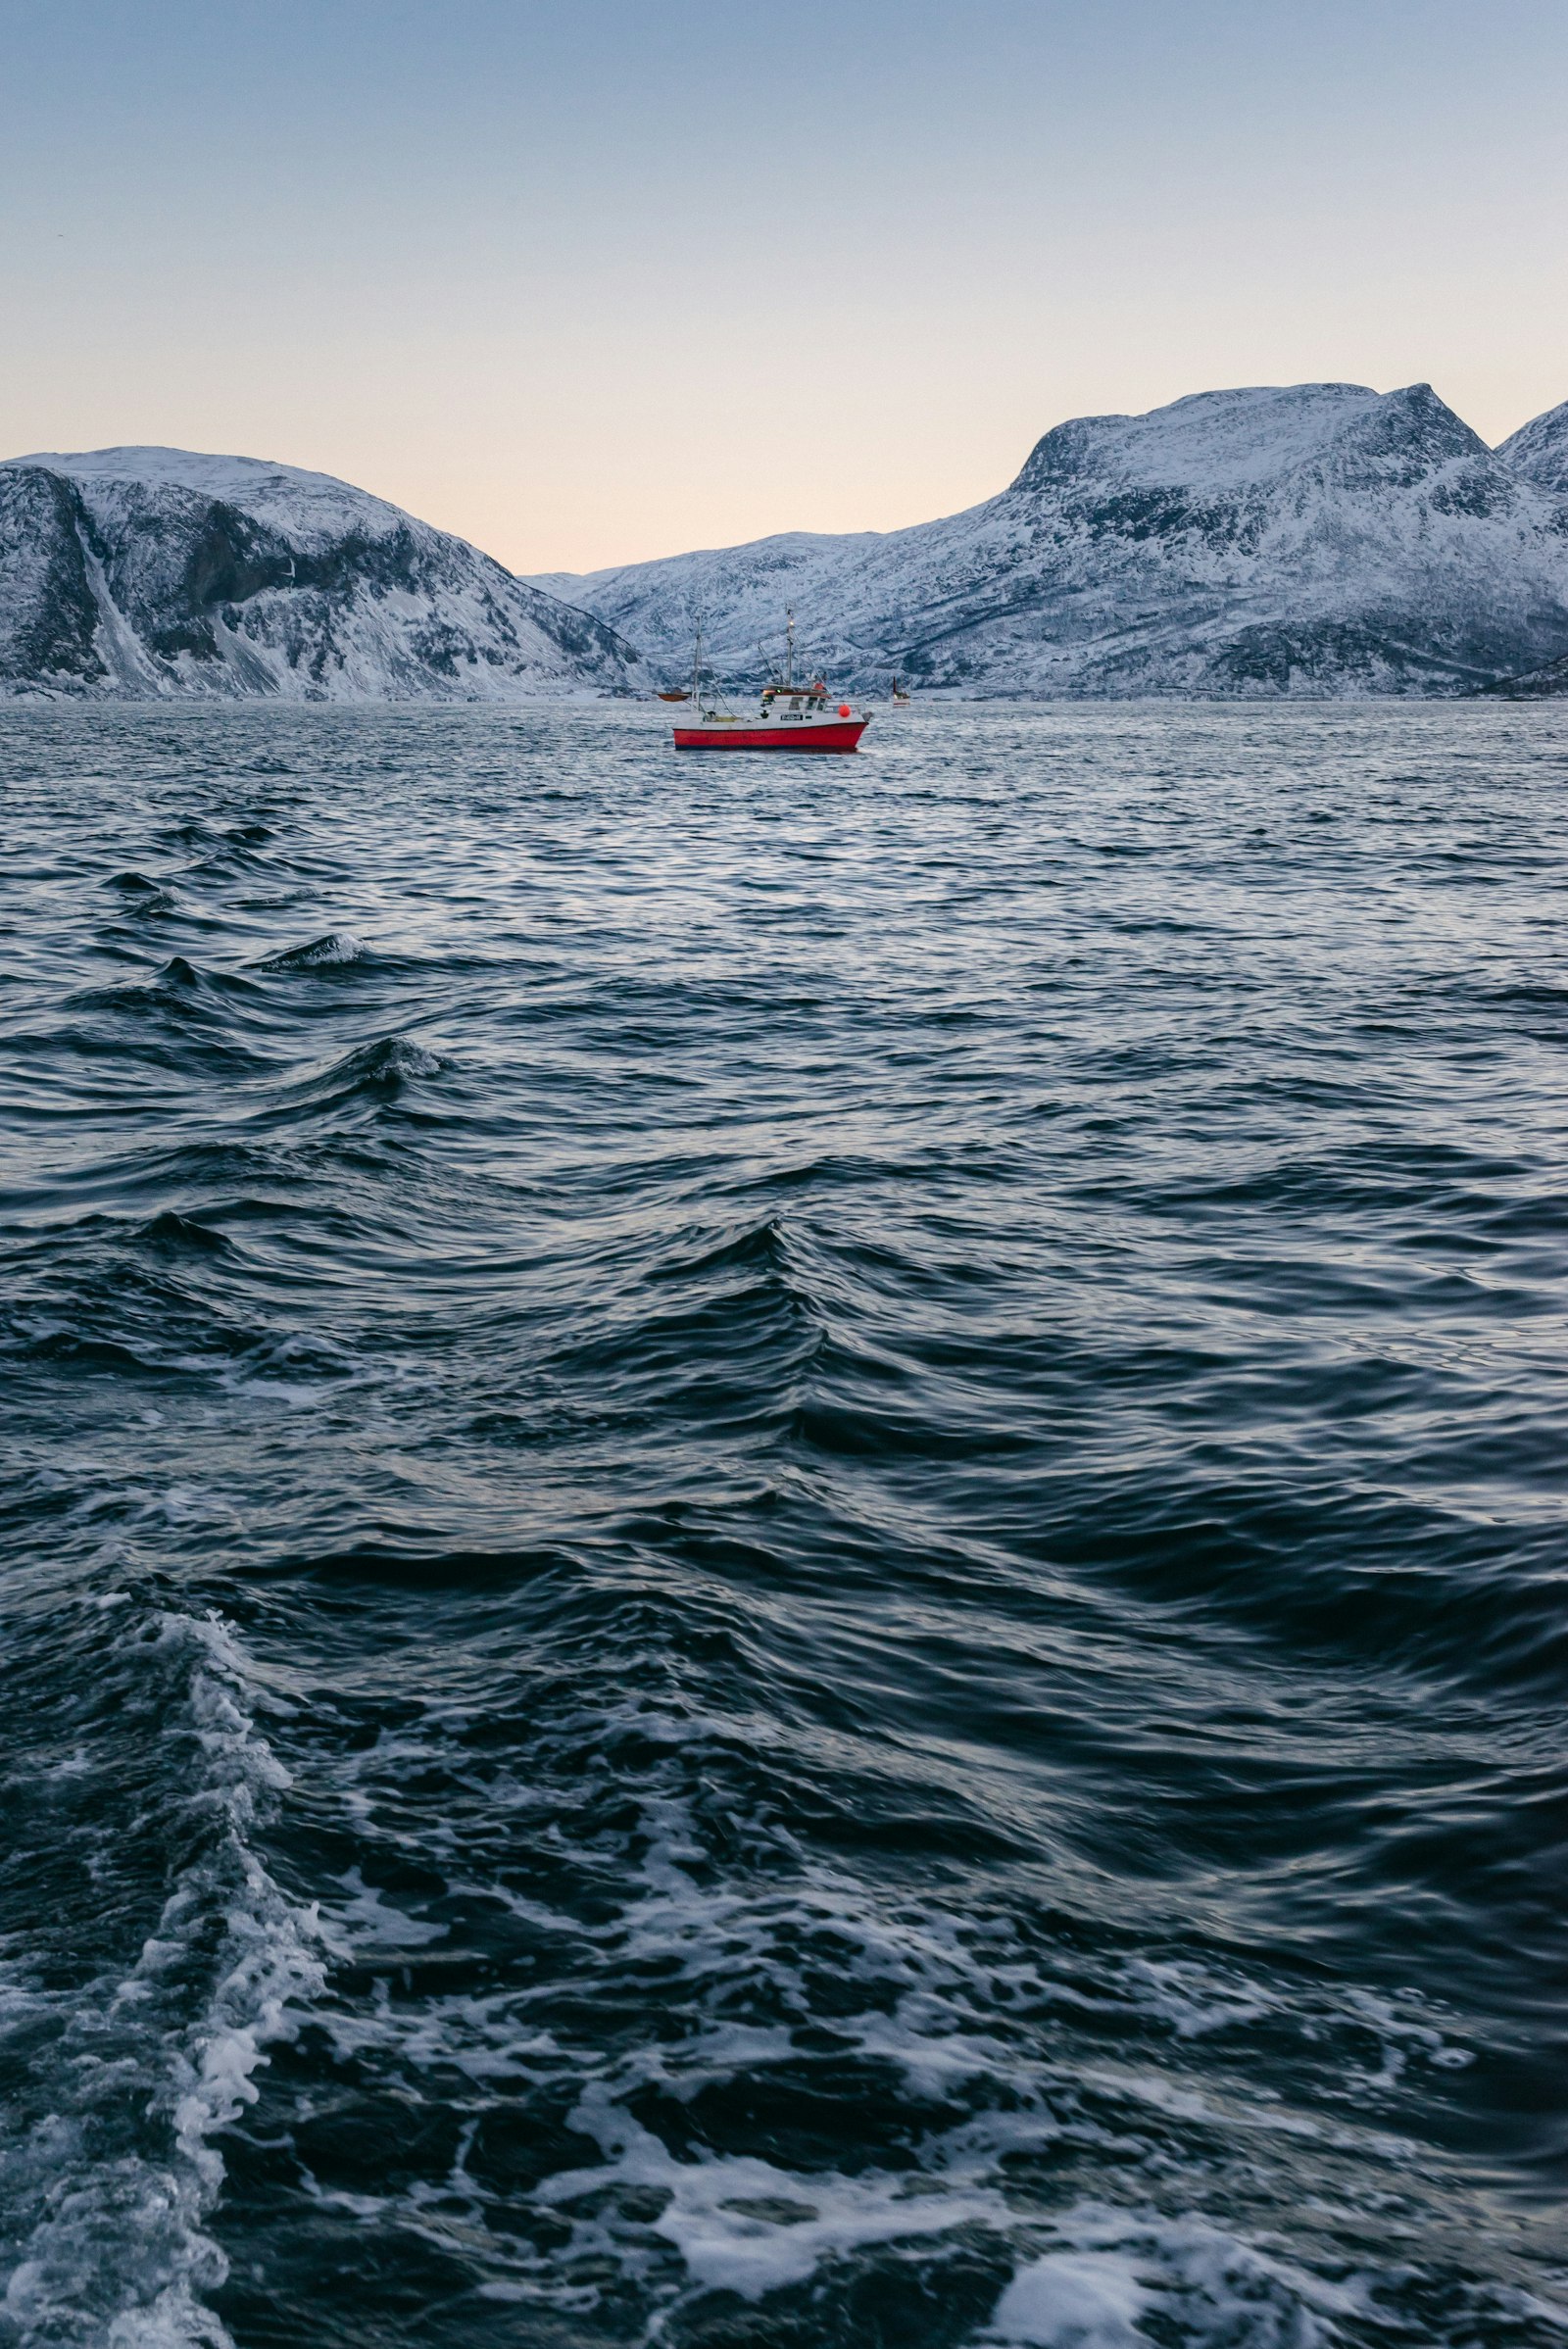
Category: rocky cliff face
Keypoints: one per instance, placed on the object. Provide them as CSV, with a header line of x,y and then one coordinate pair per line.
x,y
1321,540
149,572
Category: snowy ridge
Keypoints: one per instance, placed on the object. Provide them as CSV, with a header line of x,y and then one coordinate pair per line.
x,y
1539,451
1319,540
149,572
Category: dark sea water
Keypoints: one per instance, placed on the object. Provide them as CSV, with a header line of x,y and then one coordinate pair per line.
x,y
785,1544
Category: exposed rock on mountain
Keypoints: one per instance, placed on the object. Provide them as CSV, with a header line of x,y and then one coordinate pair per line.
x,y
146,572
1536,684
1321,540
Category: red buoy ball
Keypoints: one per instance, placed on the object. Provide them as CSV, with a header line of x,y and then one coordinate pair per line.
x,y
844,709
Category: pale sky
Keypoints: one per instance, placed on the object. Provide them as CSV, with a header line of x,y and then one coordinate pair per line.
x,y
599,280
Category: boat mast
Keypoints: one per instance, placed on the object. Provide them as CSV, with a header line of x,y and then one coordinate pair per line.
x,y
697,666
789,639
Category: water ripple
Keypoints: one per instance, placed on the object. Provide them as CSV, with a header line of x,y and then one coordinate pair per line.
x,y
785,1552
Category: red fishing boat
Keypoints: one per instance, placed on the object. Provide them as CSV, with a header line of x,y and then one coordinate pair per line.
x,y
789,716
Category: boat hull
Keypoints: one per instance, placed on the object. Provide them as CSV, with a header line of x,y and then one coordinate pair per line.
x,y
839,734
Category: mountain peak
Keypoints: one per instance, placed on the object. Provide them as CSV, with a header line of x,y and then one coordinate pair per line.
x,y
289,496
1229,441
188,468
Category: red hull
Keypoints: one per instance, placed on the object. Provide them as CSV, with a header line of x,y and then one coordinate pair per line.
x,y
836,737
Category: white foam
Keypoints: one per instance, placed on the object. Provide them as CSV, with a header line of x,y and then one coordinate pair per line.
x,y
478,2037
1193,2001
113,2250
406,1059
317,954
1402,2034
1073,2300
365,1923
338,945
960,2011
1115,2266
745,2226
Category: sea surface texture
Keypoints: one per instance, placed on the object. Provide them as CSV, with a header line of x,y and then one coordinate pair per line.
x,y
784,1551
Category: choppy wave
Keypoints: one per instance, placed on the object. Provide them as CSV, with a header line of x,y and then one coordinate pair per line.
x,y
784,1554
333,951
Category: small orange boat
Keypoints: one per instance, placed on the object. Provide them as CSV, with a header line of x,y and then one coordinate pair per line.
x,y
674,693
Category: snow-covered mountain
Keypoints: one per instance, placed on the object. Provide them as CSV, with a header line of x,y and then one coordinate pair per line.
x,y
154,571
1539,451
1317,540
